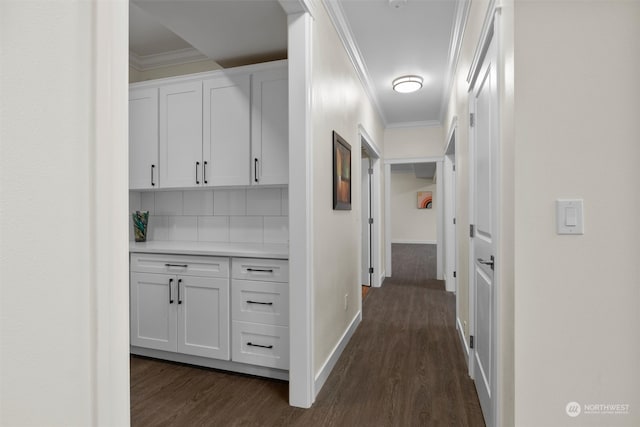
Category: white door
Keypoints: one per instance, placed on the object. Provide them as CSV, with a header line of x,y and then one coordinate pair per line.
x,y
366,227
203,316
270,127
153,311
181,135
226,133
143,138
484,134
450,226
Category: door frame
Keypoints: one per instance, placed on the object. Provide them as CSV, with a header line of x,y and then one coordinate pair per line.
x,y
450,229
301,330
438,160
376,208
490,32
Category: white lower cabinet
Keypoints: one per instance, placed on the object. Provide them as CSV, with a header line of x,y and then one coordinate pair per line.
x,y
186,308
179,312
260,312
260,344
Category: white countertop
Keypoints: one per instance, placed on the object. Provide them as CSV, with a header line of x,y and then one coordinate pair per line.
x,y
248,250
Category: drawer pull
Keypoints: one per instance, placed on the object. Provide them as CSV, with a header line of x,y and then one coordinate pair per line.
x,y
261,270
177,265
259,345
259,302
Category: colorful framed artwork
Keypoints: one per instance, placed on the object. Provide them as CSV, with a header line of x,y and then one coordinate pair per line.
x,y
425,200
341,173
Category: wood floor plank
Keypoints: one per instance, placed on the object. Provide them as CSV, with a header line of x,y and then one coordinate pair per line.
x,y
404,366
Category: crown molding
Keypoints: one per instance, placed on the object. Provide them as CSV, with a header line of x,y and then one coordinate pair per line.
x,y
165,59
455,43
336,14
423,124
294,7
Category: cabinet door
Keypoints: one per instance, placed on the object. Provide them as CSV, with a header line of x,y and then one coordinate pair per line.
x,y
143,138
203,316
153,311
270,128
226,132
181,135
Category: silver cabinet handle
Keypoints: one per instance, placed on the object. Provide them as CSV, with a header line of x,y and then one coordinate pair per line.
x,y
197,164
152,168
179,283
204,172
177,265
170,286
259,302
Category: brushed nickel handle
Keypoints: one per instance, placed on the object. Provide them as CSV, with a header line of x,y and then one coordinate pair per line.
x,y
485,262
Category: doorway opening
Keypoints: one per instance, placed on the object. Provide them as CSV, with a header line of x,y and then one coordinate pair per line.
x,y
413,209
371,274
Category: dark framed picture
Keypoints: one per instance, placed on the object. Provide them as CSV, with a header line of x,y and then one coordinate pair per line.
x,y
341,173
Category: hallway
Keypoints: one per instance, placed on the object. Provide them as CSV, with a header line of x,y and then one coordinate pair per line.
x,y
403,367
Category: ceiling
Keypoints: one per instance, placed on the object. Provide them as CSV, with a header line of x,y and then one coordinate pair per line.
x,y
420,170
385,39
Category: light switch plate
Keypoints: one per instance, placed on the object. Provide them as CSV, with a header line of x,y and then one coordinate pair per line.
x,y
569,216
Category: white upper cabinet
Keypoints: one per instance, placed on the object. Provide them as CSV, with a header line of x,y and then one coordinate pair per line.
x,y
143,138
270,127
226,131
181,135
224,128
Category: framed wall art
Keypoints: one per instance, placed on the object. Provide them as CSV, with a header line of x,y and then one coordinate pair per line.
x,y
425,199
341,173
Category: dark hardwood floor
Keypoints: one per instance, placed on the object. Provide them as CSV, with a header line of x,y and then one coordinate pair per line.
x,y
404,366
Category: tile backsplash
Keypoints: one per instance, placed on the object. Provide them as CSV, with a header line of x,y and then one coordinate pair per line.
x,y
251,215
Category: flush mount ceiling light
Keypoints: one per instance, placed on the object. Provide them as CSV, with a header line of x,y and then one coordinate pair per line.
x,y
407,84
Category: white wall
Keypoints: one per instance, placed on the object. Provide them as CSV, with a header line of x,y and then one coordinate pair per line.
x,y
340,104
62,223
253,215
408,223
577,105
413,142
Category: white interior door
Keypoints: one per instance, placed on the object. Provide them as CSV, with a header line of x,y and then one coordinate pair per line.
x,y
450,226
484,144
366,227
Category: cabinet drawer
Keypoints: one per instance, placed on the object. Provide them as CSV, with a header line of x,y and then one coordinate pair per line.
x,y
185,265
258,344
267,270
260,302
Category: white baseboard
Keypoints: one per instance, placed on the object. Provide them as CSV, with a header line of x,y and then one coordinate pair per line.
x,y
331,361
414,242
383,276
463,340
